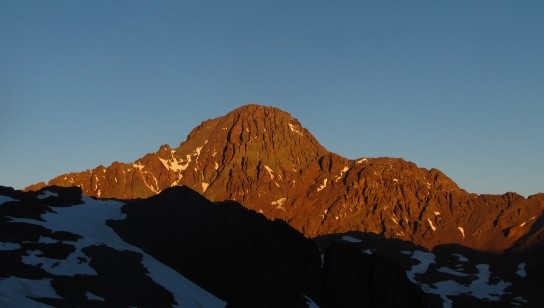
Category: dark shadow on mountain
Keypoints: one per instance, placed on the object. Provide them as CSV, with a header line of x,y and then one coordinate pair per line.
x,y
120,281
456,263
250,261
533,241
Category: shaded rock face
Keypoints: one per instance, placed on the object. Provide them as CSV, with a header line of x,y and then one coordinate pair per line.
x,y
452,275
250,261
355,279
233,252
263,158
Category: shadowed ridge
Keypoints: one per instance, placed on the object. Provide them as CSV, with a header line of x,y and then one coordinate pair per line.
x,y
533,241
229,250
246,259
456,274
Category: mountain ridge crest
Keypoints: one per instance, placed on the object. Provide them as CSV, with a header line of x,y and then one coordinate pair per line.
x,y
264,158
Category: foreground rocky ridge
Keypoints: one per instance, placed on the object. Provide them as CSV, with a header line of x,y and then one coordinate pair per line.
x,y
56,249
250,261
59,248
264,158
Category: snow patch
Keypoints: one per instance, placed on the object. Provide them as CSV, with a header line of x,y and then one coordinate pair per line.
x,y
436,213
47,194
71,266
9,246
342,172
151,187
322,185
351,239
269,171
431,224
205,186
519,301
362,160
462,231
310,302
425,259
93,297
481,288
176,164
4,199
521,270
17,292
453,272
139,165
24,220
279,202
294,129
47,240
460,257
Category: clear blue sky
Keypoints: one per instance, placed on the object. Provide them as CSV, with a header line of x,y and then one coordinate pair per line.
x,y
454,85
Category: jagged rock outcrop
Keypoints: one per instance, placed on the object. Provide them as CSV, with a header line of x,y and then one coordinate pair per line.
x,y
263,158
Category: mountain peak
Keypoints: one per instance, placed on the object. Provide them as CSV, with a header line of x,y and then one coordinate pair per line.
x,y
264,158
251,109
250,122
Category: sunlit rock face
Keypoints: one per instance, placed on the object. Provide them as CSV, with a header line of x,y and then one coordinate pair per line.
x,y
265,159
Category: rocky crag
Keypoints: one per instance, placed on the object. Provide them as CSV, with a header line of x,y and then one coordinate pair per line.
x,y
264,158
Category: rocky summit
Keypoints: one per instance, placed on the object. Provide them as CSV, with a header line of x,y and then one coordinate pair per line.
x,y
265,159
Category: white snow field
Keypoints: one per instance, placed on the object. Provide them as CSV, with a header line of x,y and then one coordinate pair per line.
x,y
89,221
481,288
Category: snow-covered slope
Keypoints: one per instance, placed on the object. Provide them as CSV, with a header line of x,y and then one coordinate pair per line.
x,y
455,275
42,275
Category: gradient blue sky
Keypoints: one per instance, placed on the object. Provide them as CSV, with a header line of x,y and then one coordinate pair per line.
x,y
453,85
